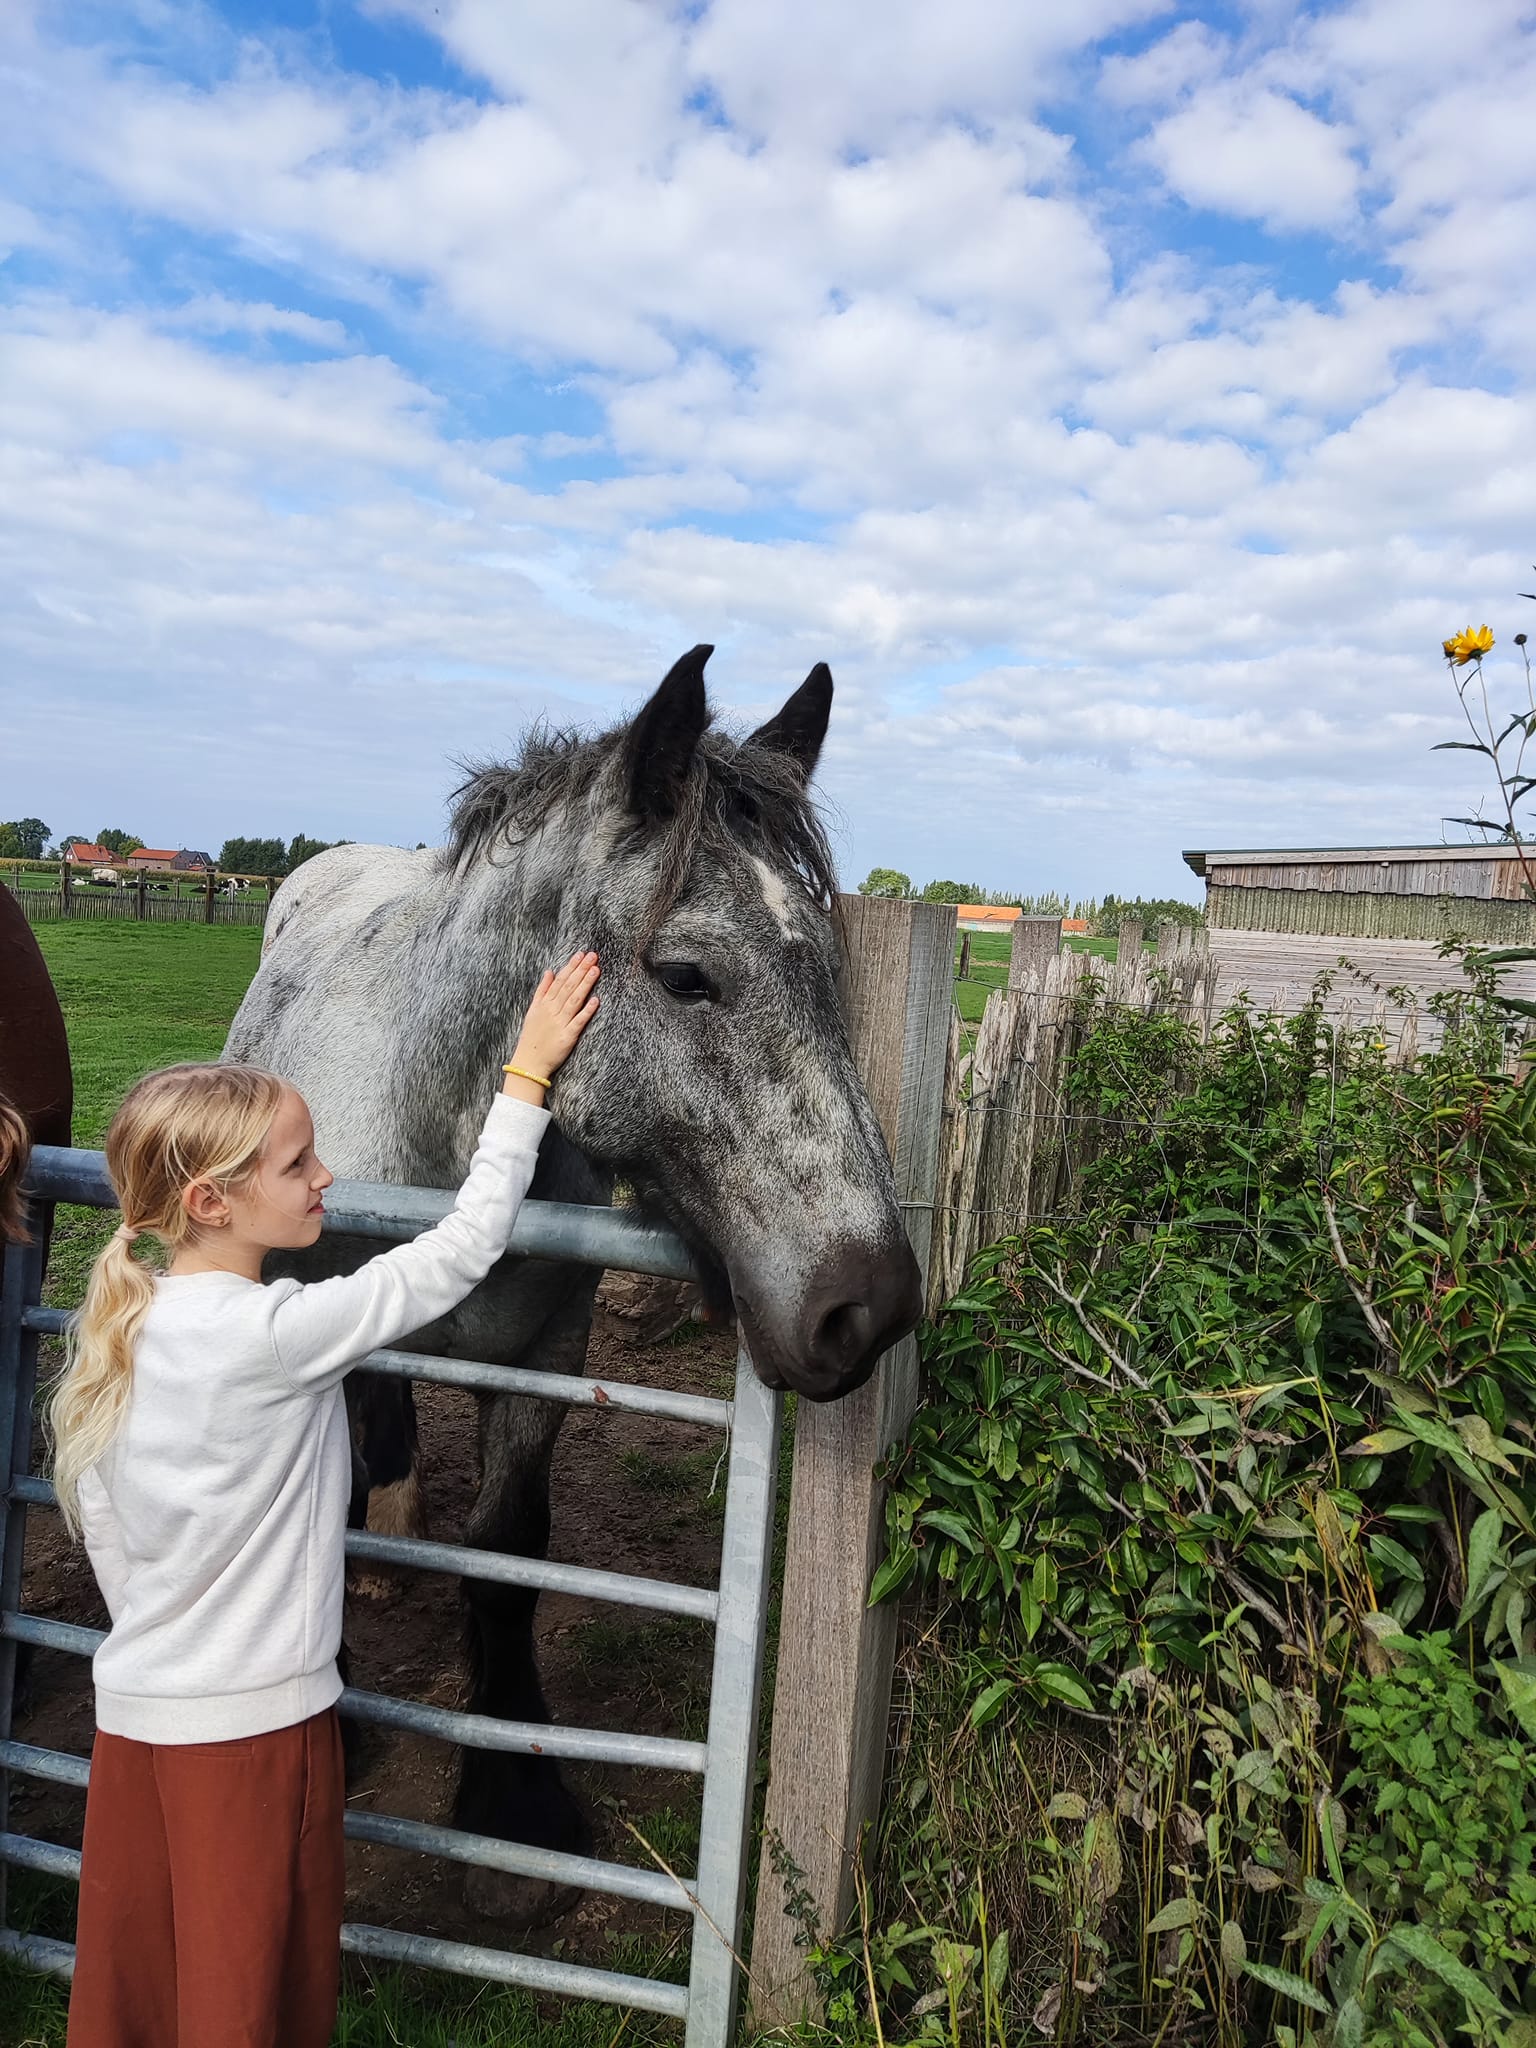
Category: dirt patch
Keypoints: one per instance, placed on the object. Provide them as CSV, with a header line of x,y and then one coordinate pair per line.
x,y
631,1494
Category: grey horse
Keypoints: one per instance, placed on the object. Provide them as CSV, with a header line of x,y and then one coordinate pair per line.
x,y
716,1081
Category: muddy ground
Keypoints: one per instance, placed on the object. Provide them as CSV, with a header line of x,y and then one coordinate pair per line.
x,y
630,1494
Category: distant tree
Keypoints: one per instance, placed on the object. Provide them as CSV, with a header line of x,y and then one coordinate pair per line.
x,y
1147,911
119,844
253,857
301,848
954,892
23,839
886,882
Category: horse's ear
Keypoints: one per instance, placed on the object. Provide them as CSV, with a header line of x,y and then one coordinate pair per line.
x,y
664,736
800,727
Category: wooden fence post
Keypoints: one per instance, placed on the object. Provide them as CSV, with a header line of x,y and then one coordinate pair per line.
x,y
962,972
141,895
1036,940
836,1655
1130,938
208,881
66,892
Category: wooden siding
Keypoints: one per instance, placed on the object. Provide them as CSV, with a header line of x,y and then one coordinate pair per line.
x,y
1498,878
1367,913
1277,971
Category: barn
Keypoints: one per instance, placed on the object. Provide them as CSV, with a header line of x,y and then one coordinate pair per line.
x,y
1279,916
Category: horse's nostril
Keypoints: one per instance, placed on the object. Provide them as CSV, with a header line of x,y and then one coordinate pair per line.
x,y
841,1334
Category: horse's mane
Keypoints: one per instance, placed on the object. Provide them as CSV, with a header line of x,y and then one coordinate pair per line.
x,y
737,796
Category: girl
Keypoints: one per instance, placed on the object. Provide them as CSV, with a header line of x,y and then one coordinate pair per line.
x,y
201,1447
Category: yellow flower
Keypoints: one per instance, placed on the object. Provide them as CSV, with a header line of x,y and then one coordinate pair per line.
x,y
1469,645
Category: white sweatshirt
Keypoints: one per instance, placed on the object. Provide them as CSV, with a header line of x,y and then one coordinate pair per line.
x,y
215,1522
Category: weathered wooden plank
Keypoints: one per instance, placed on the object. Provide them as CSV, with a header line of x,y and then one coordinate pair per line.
x,y
1035,940
832,1696
1278,969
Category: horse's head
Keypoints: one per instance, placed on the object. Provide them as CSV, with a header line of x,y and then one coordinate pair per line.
x,y
717,1077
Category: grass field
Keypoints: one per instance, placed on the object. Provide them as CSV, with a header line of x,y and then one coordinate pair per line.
x,y
989,966
135,996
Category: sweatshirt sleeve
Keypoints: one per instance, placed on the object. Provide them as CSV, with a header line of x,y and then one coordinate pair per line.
x,y
103,1544
320,1331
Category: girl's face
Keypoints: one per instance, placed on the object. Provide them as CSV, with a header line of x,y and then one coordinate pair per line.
x,y
281,1209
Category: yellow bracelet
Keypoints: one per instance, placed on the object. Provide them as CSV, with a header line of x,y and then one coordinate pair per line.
x,y
523,1074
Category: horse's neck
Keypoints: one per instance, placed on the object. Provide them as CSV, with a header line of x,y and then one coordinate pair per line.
x,y
493,931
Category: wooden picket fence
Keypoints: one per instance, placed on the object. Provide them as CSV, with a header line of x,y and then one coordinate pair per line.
x,y
1014,1145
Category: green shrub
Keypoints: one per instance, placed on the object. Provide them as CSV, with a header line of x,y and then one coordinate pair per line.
x,y
1196,1454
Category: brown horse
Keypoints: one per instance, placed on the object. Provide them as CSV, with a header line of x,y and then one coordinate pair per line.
x,y
34,1052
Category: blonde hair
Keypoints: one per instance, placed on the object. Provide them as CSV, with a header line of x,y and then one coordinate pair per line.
x,y
183,1124
15,1150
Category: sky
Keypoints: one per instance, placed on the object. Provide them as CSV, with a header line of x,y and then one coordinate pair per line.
x,y
1124,399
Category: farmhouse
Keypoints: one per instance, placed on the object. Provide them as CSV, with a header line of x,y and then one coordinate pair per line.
x,y
81,854
985,917
165,860
993,917
1280,916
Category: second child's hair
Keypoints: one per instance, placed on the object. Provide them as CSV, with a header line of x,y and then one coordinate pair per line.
x,y
15,1150
183,1124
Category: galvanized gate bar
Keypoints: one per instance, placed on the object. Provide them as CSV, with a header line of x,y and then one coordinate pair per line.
x,y
618,1395
425,1951
550,1230
746,1561
21,1281
463,1561
537,1973
571,1232
619,1880
471,1731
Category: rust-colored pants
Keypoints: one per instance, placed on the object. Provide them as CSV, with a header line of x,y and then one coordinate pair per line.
x,y
211,1893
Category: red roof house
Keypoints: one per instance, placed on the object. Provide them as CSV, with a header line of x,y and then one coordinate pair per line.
x,y
82,855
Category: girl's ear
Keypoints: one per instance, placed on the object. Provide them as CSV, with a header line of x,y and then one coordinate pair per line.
x,y
206,1206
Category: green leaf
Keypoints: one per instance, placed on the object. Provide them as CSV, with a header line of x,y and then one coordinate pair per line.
x,y
1182,1912
988,1705
1349,2025
1392,1553
1289,1986
1421,1947
1234,1948
893,1574
1058,1683
1482,1551
1519,1695
997,1964
952,1526
1379,1443
1067,1806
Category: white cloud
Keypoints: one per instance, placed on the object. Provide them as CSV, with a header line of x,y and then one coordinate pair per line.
x,y
836,346
213,313
1259,156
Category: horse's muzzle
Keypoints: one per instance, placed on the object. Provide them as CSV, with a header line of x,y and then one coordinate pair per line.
x,y
825,1337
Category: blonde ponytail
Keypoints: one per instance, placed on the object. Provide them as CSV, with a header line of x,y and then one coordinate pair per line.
x,y
179,1126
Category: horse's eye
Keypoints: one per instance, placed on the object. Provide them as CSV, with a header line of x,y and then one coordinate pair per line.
x,y
688,983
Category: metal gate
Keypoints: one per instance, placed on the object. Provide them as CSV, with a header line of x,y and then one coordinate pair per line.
x,y
737,1608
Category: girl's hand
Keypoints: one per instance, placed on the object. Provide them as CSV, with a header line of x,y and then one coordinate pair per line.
x,y
563,1005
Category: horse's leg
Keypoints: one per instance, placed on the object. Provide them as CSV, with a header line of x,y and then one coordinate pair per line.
x,y
519,1798
384,1412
